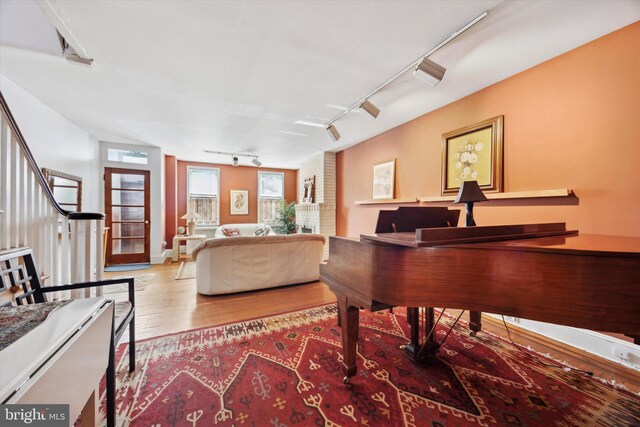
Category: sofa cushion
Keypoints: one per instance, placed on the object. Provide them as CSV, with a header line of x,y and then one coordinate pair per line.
x,y
263,240
262,230
246,229
231,232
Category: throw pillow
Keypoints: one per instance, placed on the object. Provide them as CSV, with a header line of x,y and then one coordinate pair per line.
x,y
262,230
231,232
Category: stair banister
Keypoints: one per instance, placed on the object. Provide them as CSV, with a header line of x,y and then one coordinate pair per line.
x,y
30,215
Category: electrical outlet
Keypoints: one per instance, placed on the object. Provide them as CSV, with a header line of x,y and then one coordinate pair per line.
x,y
620,353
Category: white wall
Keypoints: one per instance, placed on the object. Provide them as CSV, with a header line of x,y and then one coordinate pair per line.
x,y
57,143
156,166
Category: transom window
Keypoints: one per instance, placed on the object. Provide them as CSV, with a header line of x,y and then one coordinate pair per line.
x,y
203,189
127,156
270,195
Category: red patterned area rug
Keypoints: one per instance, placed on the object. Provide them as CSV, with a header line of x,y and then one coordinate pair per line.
x,y
285,370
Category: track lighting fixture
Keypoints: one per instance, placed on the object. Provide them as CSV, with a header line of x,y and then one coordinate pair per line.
x,y
234,157
333,133
370,109
423,68
429,72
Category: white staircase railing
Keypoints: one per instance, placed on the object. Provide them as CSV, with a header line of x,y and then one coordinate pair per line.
x,y
67,246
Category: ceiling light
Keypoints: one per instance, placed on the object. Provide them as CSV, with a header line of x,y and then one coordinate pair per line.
x,y
423,68
336,107
235,156
430,72
370,109
333,133
293,133
310,123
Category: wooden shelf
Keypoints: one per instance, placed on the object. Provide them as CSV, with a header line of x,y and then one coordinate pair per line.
x,y
562,192
386,202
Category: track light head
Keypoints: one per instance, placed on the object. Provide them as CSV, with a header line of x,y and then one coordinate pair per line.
x,y
370,109
235,161
256,162
429,72
333,132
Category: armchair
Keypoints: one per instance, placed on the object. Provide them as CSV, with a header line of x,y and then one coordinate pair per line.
x,y
19,273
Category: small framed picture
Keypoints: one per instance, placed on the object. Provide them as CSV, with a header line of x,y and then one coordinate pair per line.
x,y
384,175
239,202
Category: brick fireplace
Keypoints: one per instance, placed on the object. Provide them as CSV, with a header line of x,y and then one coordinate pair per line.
x,y
319,216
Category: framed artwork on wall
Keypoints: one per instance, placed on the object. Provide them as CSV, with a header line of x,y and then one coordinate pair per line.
x,y
383,184
239,202
473,153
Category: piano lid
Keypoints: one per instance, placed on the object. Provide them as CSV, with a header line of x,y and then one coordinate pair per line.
x,y
424,237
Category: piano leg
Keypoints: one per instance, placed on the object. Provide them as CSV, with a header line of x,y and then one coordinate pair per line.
x,y
475,322
414,350
349,319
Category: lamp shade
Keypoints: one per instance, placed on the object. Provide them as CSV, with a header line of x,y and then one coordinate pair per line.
x,y
470,192
191,223
190,215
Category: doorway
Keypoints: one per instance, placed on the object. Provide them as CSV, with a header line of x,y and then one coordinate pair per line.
x,y
126,199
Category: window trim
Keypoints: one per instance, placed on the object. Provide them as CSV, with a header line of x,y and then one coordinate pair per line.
x,y
205,168
260,191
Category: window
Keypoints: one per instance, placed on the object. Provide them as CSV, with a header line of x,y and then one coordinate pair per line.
x,y
127,156
203,185
270,195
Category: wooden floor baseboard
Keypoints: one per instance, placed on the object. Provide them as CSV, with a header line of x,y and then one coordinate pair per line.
x,y
566,354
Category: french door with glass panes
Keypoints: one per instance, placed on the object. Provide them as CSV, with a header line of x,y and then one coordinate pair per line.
x,y
126,203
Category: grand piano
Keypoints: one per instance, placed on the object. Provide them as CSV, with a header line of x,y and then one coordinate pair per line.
x,y
540,272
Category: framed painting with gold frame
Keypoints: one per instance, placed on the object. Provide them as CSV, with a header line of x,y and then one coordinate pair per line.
x,y
473,153
383,184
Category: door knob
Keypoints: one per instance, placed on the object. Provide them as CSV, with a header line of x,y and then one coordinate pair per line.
x,y
146,222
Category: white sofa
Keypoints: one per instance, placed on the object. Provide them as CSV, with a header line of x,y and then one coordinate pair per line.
x,y
237,264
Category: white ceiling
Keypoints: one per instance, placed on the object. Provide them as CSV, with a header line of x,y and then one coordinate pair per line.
x,y
237,75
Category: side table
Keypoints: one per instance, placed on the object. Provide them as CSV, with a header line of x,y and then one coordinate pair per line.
x,y
178,238
176,248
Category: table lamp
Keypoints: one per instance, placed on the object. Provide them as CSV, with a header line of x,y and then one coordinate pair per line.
x,y
191,222
469,193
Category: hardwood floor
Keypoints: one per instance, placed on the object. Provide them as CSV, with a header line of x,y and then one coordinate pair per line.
x,y
168,306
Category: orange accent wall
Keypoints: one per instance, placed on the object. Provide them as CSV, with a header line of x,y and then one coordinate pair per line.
x,y
171,206
571,122
233,178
